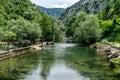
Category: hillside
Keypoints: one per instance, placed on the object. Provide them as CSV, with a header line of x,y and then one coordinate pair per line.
x,y
14,9
88,6
56,12
110,10
22,22
110,21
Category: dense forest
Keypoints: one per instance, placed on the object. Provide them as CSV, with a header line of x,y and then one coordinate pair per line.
x,y
22,23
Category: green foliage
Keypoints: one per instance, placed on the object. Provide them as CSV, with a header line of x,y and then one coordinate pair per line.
x,y
88,6
9,36
25,30
113,8
1,34
89,31
27,23
51,29
84,28
115,60
106,27
70,28
111,21
75,22
111,29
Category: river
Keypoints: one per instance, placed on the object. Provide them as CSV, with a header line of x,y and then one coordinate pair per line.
x,y
58,62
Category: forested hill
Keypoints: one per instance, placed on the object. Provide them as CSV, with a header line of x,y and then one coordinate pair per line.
x,y
14,9
110,21
24,23
56,12
88,6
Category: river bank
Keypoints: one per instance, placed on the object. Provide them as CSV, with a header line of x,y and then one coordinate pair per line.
x,y
19,51
110,49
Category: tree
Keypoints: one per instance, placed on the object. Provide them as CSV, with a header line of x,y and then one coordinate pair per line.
x,y
51,29
74,22
88,31
26,32
9,36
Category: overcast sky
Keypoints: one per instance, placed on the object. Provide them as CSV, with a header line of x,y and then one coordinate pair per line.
x,y
54,3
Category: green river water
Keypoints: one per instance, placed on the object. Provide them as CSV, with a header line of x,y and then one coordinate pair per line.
x,y
58,62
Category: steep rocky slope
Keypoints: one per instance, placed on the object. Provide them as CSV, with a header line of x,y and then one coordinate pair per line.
x,y
88,6
111,10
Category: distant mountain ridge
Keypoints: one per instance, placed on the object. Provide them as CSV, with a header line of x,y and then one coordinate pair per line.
x,y
88,6
56,12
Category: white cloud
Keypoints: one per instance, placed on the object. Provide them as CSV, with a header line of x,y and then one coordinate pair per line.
x,y
54,3
60,5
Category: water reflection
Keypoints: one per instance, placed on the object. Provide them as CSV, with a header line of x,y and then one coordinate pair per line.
x,y
48,60
58,62
13,68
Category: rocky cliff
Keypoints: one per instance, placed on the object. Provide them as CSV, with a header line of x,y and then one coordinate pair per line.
x,y
88,6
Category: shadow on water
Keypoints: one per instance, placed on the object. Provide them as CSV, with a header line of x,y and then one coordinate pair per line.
x,y
58,62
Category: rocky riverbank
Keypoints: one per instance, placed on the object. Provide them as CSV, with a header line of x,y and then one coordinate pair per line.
x,y
18,51
111,50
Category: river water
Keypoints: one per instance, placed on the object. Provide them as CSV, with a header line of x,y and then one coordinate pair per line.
x,y
58,62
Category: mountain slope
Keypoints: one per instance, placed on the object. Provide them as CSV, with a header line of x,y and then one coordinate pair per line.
x,y
14,9
26,23
110,21
88,6
56,12
112,9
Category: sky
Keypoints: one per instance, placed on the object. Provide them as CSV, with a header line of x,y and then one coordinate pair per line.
x,y
54,3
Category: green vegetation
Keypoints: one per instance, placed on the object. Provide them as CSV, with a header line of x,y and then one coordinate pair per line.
x,y
115,60
84,28
115,63
110,21
112,9
49,30
111,29
22,23
87,6
26,32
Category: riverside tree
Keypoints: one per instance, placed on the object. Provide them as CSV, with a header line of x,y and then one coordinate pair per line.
x,y
51,29
85,28
26,32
